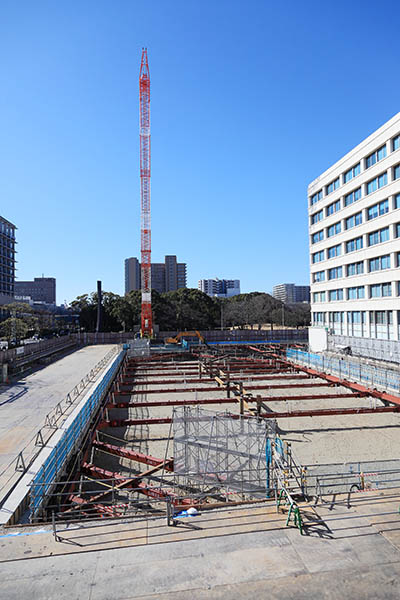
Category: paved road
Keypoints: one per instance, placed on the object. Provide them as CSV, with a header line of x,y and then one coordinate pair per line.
x,y
24,405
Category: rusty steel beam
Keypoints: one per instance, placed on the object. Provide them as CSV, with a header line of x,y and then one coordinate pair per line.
x,y
199,401
128,422
147,490
141,381
132,455
283,386
327,412
357,387
323,412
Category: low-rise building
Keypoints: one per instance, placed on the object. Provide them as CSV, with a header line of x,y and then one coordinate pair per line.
x,y
41,289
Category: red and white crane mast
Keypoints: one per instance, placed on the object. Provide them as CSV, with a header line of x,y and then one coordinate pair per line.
x,y
146,329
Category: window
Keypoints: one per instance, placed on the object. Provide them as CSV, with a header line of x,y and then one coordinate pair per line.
x,y
334,251
355,293
352,197
334,207
353,172
316,197
375,157
376,183
380,290
397,230
379,236
319,297
335,273
332,186
317,237
317,217
318,256
377,210
396,201
335,295
355,244
318,276
379,263
398,259
319,318
396,172
354,220
396,143
334,229
355,269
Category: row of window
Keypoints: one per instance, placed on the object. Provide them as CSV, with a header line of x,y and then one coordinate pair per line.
x,y
369,187
376,290
372,239
379,263
377,317
7,230
350,199
376,210
348,175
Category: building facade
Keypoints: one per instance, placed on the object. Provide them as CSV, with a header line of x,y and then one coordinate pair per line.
x,y
354,235
41,289
289,293
165,277
7,259
223,288
132,274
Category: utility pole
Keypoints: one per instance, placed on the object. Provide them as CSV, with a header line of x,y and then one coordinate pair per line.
x,y
146,329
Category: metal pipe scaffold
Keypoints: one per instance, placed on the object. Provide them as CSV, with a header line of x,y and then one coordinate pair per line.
x,y
146,329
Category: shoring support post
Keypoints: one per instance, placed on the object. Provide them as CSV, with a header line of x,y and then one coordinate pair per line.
x,y
258,400
53,520
170,513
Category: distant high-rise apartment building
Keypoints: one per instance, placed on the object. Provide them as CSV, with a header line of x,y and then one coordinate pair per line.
x,y
165,277
7,258
354,236
289,293
223,288
41,289
132,274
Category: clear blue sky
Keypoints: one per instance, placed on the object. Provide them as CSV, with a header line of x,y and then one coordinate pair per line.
x,y
251,100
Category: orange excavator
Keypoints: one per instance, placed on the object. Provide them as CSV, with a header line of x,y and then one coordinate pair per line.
x,y
184,334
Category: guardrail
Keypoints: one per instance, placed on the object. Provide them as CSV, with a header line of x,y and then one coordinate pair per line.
x,y
15,355
52,422
352,370
47,475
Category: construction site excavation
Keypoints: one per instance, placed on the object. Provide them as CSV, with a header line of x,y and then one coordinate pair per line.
x,y
203,428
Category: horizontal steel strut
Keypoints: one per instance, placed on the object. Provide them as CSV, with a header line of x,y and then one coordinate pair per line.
x,y
182,390
132,455
200,401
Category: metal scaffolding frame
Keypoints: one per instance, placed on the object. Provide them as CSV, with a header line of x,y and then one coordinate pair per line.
x,y
217,451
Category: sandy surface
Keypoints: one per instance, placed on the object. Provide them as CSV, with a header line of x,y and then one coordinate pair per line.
x,y
315,440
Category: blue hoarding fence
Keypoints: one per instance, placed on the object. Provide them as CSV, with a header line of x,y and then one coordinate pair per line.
x,y
372,376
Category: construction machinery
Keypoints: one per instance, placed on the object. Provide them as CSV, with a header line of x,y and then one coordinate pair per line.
x,y
184,334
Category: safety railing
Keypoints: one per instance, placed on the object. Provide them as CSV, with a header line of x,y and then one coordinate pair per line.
x,y
371,376
71,438
363,476
92,498
52,422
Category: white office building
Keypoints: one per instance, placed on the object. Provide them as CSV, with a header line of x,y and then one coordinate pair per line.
x,y
223,288
354,228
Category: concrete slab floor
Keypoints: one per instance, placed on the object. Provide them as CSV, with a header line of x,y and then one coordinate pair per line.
x,y
277,563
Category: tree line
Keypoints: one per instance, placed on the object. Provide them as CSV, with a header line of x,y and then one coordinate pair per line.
x,y
187,309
